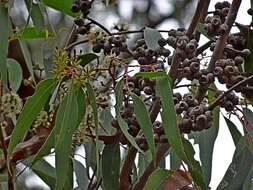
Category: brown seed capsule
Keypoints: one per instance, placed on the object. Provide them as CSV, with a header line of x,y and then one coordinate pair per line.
x,y
187,72
194,66
197,110
223,79
225,11
178,96
148,90
229,106
218,71
203,80
216,21
190,47
181,43
238,60
210,77
229,70
179,109
143,61
183,105
201,120
162,42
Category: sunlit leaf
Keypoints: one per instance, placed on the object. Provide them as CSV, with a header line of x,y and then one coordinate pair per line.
x,y
64,6
30,33
150,74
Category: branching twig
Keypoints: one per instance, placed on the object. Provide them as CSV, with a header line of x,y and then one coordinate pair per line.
x,y
99,25
220,97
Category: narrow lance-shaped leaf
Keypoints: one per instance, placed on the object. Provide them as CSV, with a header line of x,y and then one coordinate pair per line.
x,y
172,132
64,6
27,56
44,170
235,133
93,103
66,125
240,167
15,74
144,121
31,109
4,34
81,175
156,179
122,124
111,163
169,116
206,139
249,117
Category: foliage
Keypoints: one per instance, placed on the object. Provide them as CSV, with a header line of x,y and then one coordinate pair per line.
x,y
121,98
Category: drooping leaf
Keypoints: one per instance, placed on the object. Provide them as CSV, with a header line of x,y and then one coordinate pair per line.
x,y
87,58
123,125
156,179
15,74
249,118
36,14
64,6
177,180
82,104
151,74
92,99
169,116
240,167
44,170
31,109
194,166
235,133
248,183
111,162
175,161
206,139
151,37
144,121
27,56
30,33
66,126
81,175
142,164
4,34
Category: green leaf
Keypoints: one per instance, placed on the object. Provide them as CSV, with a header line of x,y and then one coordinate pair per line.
x,y
142,164
240,167
31,109
66,124
175,161
111,162
248,183
249,116
235,133
4,35
64,6
27,56
150,74
169,116
93,103
36,14
206,139
44,170
144,121
81,175
3,178
87,58
82,104
122,124
156,179
194,166
151,37
201,29
30,33
15,74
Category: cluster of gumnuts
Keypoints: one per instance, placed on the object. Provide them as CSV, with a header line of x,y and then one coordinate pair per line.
x,y
81,5
229,101
146,56
195,117
215,25
110,44
82,27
